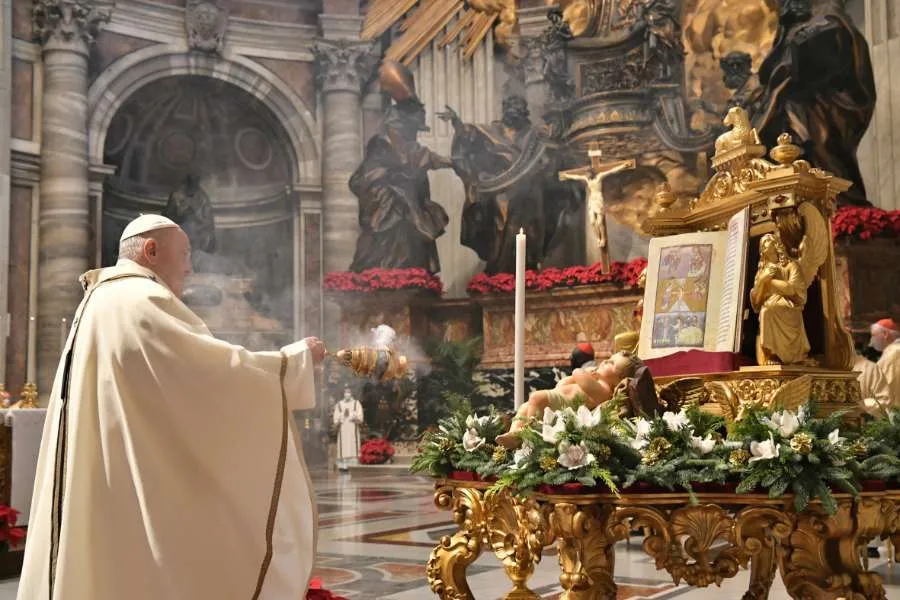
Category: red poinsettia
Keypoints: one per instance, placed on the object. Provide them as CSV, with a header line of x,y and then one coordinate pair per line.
x,y
864,223
376,451
10,535
317,592
372,280
505,283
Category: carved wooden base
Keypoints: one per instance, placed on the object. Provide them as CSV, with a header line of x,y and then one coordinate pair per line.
x,y
819,555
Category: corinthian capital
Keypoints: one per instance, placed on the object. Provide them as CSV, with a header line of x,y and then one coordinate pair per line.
x,y
343,65
67,20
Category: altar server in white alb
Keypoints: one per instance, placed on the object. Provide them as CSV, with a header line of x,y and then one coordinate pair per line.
x,y
347,417
170,467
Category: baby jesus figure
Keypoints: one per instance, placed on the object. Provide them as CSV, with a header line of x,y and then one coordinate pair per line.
x,y
598,384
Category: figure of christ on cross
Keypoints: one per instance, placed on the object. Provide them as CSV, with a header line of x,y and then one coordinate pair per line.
x,y
593,177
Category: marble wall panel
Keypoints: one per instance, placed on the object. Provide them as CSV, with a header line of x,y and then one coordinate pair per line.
x,y
21,19
300,77
22,125
19,273
110,47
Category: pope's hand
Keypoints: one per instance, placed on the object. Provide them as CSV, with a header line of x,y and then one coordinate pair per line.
x,y
316,348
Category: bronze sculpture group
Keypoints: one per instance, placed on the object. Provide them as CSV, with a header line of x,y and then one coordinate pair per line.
x,y
816,84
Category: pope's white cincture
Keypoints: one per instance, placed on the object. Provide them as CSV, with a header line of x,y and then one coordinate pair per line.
x,y
170,466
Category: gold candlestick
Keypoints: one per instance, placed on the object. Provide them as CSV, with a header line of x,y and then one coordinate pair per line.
x,y
29,397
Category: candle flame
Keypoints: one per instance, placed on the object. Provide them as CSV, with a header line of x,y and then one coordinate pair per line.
x,y
521,231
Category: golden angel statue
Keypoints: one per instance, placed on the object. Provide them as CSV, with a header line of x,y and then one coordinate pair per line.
x,y
779,293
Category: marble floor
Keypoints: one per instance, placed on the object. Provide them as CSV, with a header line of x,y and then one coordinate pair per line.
x,y
376,533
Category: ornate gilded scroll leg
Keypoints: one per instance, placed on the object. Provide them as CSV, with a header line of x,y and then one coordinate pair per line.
x,y
446,569
874,516
821,559
517,532
759,531
586,557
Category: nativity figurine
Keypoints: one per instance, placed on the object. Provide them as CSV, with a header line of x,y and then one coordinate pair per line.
x,y
779,296
621,373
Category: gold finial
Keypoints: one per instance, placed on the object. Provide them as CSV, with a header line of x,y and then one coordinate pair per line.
x,y
665,197
29,396
785,152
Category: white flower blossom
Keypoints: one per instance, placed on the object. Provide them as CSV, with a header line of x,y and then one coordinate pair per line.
x,y
703,445
834,438
473,421
522,454
676,421
472,441
784,422
641,433
586,418
764,450
553,426
573,456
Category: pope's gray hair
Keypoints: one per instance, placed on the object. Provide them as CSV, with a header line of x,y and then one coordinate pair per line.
x,y
132,248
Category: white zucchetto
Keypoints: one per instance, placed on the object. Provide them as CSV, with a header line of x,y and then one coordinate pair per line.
x,y
146,223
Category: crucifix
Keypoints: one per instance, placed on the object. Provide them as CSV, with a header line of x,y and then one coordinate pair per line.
x,y
593,177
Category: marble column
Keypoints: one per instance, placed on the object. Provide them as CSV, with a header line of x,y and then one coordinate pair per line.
x,y
5,134
342,68
65,28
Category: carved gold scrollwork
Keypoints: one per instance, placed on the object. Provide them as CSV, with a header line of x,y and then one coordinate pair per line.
x,y
682,541
758,531
446,569
814,563
586,557
517,532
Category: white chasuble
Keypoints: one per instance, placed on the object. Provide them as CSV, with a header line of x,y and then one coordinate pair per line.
x,y
169,467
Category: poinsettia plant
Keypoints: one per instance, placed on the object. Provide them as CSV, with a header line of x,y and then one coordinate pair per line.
x,y
626,274
679,449
372,280
464,441
785,451
573,445
864,223
376,451
10,535
317,592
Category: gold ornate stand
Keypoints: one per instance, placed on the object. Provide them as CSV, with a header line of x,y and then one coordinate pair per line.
x,y
819,555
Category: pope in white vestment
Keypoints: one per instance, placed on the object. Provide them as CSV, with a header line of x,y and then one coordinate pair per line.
x,y
170,467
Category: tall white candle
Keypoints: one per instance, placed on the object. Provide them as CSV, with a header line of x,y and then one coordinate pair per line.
x,y
519,396
31,366
63,334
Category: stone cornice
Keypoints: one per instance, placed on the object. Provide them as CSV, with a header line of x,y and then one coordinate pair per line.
x,y
165,24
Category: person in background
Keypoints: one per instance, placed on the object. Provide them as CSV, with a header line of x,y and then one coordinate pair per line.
x,y
582,355
886,338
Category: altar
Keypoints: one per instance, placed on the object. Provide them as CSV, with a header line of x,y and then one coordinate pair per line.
x,y
20,443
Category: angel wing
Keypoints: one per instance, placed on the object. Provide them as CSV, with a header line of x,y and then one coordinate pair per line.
x,y
814,247
682,392
420,27
722,401
792,395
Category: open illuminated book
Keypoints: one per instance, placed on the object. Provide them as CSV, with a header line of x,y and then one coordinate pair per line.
x,y
694,298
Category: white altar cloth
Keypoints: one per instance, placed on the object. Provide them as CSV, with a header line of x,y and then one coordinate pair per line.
x,y
27,425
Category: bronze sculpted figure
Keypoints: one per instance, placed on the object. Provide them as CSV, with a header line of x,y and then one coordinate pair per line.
x,y
189,206
503,166
819,88
398,219
737,74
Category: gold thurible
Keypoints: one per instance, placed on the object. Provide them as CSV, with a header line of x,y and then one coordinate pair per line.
x,y
378,363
